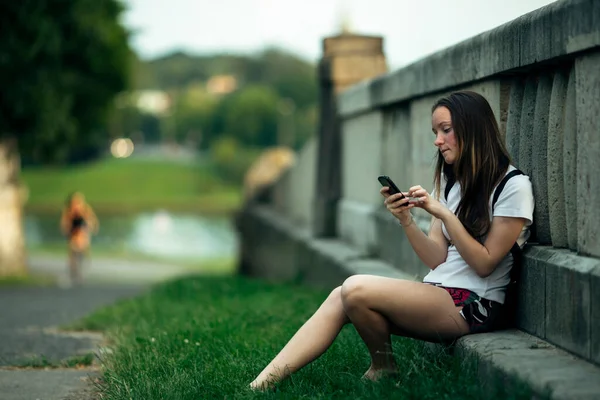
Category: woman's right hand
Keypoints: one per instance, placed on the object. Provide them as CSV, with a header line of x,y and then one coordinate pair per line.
x,y
397,205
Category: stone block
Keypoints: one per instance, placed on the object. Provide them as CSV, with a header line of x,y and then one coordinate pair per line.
x,y
568,301
396,147
570,163
355,99
549,371
361,158
526,127
513,123
356,224
269,244
595,315
587,98
539,175
328,258
531,313
556,184
302,184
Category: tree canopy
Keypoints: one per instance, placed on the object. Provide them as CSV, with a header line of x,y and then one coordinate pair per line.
x,y
61,64
267,85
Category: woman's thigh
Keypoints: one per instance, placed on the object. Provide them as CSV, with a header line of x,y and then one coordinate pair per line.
x,y
414,309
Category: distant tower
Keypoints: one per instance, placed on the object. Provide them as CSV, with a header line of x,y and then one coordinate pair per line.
x,y
348,58
351,57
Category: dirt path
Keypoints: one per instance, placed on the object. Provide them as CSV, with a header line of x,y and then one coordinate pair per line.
x,y
30,317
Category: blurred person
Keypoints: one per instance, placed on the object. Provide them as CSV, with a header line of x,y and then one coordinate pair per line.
x,y
78,222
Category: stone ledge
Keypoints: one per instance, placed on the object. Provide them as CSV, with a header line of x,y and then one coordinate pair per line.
x,y
545,368
558,29
557,301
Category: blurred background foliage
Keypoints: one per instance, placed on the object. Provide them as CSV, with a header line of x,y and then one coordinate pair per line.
x,y
61,63
71,84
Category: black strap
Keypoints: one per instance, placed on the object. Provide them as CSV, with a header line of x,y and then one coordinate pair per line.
x,y
503,183
447,189
498,189
515,250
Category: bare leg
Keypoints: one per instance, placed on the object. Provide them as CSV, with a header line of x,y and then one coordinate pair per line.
x,y
311,340
378,306
73,267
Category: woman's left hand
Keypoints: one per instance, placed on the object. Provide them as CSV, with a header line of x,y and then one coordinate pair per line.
x,y
420,198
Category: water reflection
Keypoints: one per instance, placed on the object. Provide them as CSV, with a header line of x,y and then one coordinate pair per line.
x,y
162,234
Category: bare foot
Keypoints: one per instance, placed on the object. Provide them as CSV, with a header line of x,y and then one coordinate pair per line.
x,y
376,374
262,386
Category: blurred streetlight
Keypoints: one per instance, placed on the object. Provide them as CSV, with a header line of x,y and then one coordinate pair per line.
x,y
121,148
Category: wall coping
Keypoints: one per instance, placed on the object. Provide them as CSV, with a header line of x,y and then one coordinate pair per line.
x,y
556,30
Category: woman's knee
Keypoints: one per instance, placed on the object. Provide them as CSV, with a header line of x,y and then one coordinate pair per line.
x,y
354,291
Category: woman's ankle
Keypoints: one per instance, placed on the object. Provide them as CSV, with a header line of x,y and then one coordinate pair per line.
x,y
375,373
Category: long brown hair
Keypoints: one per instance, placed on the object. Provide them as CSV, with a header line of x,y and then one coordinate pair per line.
x,y
482,159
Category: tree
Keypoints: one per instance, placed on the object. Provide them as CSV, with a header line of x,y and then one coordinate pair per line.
x,y
252,116
61,64
192,114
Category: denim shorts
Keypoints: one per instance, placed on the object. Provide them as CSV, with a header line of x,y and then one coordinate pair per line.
x,y
480,314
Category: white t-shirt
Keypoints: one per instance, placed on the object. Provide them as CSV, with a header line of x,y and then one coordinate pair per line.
x,y
516,200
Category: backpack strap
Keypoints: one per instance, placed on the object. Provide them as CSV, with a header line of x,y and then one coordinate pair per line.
x,y
503,183
498,189
515,250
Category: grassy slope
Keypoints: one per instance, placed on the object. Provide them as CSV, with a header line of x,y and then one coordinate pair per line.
x,y
115,185
208,337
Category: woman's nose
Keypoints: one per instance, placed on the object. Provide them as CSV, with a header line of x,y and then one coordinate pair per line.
x,y
438,140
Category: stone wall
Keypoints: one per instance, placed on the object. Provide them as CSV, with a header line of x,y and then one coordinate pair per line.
x,y
541,75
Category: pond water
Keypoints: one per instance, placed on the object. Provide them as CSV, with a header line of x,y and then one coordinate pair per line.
x,y
160,234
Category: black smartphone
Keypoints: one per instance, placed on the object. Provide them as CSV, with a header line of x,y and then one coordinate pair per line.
x,y
387,181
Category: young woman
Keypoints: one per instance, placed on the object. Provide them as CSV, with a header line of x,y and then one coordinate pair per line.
x,y
77,222
467,249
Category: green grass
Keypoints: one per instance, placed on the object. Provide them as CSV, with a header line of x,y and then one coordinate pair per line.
x,y
124,185
208,337
27,280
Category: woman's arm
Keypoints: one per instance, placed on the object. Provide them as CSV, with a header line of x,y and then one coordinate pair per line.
x,y
432,249
484,258
92,220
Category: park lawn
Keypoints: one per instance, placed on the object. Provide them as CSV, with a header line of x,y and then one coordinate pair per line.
x,y
126,185
207,337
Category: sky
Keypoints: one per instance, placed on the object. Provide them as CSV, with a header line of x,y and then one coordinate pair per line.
x,y
411,29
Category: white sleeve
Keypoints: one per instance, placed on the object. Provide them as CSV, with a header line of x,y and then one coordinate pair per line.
x,y
516,199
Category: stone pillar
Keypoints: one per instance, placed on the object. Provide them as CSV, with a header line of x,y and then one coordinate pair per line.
x,y
347,59
12,242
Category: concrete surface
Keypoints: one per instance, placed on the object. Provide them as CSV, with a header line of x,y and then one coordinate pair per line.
x,y
60,384
30,318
